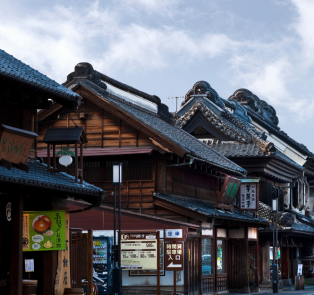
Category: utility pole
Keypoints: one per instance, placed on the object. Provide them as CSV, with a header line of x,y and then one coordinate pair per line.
x,y
176,98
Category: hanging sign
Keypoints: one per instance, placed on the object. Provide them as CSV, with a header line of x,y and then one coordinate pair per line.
x,y
249,196
174,256
29,265
44,230
300,267
139,251
173,233
229,190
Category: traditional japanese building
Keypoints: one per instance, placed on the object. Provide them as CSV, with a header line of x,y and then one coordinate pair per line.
x,y
233,128
170,180
27,185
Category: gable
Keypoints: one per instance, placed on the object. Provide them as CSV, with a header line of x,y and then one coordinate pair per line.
x,y
102,128
197,121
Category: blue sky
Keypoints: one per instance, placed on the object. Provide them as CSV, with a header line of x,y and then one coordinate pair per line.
x,y
164,46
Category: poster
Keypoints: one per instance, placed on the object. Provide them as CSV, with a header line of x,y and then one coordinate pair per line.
x,y
139,251
29,265
44,230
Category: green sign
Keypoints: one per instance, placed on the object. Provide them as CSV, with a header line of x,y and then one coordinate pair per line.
x,y
44,230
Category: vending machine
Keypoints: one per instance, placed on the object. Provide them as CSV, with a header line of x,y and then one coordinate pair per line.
x,y
103,263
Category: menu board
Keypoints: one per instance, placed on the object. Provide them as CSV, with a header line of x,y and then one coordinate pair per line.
x,y
44,230
249,196
139,251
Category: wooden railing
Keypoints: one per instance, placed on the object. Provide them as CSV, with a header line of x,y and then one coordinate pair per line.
x,y
208,284
222,282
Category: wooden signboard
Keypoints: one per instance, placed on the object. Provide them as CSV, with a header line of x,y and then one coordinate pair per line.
x,y
249,196
229,190
15,144
174,256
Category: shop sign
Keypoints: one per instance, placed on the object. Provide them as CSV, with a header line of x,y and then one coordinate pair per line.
x,y
15,144
139,251
44,230
300,268
173,233
249,196
229,190
174,256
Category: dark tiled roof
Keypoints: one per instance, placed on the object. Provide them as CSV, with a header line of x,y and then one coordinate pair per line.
x,y
172,133
39,176
207,208
235,149
15,69
62,135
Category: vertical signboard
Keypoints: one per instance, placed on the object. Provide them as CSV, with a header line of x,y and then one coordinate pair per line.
x,y
174,256
229,190
63,278
44,230
249,195
139,251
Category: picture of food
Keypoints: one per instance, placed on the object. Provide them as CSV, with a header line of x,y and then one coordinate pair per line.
x,y
48,233
41,224
48,245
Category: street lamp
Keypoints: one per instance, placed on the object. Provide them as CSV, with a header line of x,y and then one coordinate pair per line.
x,y
275,265
117,275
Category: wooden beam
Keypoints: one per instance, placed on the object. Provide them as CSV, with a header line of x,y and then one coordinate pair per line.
x,y
16,267
89,266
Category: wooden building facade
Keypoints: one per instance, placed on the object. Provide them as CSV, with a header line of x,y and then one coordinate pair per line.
x,y
27,185
167,174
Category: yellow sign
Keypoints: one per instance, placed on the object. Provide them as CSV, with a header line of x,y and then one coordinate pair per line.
x,y
139,251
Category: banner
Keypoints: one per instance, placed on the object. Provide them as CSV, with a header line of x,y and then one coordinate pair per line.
x,y
44,230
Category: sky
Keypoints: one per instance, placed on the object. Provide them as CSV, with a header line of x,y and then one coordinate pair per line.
x,y
163,47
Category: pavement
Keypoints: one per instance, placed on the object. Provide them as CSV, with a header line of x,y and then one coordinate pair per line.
x,y
308,290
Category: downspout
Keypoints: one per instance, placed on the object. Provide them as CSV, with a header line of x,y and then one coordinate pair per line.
x,y
173,165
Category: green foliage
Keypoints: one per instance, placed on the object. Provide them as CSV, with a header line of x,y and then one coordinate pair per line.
x,y
65,152
306,282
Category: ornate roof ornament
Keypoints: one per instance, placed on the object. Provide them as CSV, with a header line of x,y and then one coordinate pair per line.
x,y
203,87
258,106
85,70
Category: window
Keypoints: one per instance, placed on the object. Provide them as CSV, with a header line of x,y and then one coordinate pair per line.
x,y
221,256
206,256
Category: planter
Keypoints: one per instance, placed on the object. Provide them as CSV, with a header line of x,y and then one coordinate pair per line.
x,y
29,287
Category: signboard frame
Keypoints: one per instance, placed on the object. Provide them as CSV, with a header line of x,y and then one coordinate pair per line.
x,y
243,184
174,248
229,190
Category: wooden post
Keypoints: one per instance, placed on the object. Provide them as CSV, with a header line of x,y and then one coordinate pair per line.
x,y
16,267
76,164
48,156
174,283
54,156
246,257
81,163
158,264
89,269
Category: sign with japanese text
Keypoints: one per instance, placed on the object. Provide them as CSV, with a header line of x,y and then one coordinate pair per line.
x,y
173,233
229,190
249,196
139,251
44,231
15,144
63,273
174,256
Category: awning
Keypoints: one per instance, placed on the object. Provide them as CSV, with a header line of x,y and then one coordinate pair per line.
x,y
88,152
